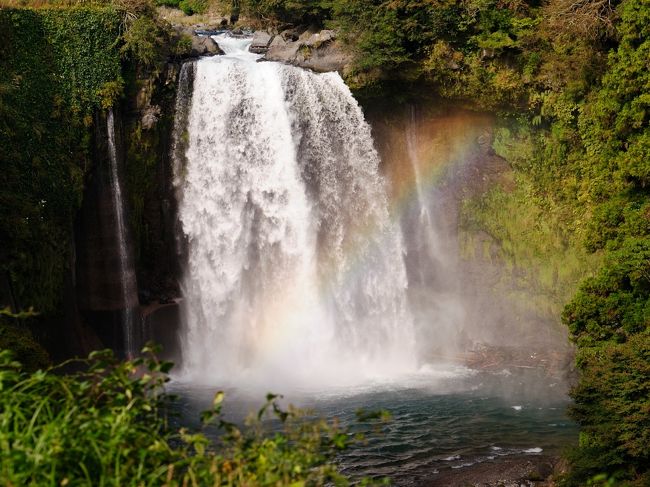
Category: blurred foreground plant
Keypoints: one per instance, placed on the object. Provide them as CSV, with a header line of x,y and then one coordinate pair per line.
x,y
107,425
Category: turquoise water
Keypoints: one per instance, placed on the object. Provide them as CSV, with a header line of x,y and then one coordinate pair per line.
x,y
443,418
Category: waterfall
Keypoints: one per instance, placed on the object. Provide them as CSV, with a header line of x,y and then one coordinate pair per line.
x,y
127,278
181,115
426,251
434,295
295,268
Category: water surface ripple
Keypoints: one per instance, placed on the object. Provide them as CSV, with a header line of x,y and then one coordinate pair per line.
x,y
439,422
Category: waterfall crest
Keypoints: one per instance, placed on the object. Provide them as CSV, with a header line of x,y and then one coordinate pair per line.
x,y
295,269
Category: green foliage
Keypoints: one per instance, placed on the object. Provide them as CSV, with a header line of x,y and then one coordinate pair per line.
x,y
293,11
108,425
191,7
185,7
614,305
539,263
83,50
16,336
145,41
59,66
56,67
614,123
609,319
579,150
392,35
533,222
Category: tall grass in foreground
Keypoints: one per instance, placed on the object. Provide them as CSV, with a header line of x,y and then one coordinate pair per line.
x,y
107,426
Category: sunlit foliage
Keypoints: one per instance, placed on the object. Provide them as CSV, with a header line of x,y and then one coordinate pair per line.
x,y
108,425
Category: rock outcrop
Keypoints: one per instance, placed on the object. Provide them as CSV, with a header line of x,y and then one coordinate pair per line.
x,y
319,51
204,46
202,43
261,42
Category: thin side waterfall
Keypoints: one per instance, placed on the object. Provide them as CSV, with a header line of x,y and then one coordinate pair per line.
x,y
295,268
436,301
423,233
412,150
126,273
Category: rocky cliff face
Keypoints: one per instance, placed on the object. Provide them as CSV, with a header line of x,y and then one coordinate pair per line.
x,y
105,286
143,128
97,270
148,136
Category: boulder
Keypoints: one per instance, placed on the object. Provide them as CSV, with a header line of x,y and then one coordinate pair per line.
x,y
204,46
316,50
291,34
150,116
319,38
202,43
261,42
282,50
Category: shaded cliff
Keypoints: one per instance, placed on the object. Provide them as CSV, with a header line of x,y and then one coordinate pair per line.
x,y
61,70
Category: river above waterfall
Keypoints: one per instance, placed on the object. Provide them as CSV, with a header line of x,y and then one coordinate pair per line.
x,y
445,419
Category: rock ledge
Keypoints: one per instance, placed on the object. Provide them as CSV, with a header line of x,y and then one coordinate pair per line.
x,y
319,51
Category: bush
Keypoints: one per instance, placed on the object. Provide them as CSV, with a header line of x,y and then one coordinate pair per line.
x,y
144,41
191,7
108,425
609,320
168,3
16,336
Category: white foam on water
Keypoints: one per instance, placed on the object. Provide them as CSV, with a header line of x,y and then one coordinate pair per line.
x,y
534,450
451,458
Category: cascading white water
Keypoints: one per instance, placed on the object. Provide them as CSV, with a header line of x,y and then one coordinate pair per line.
x,y
295,270
126,278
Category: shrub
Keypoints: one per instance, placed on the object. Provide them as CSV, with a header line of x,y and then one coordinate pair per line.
x,y
168,3
610,321
16,336
108,425
144,41
191,7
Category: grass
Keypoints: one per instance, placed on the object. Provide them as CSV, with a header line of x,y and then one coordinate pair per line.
x,y
107,425
174,16
541,263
